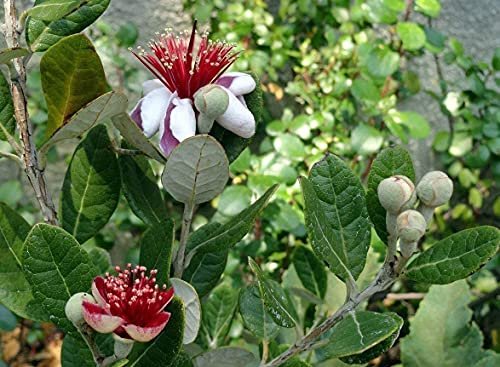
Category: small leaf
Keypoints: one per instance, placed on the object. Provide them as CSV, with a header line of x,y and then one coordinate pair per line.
x,y
456,256
8,54
428,7
53,9
452,340
254,314
100,258
56,267
412,35
366,139
290,146
197,170
134,136
163,350
217,315
389,162
232,143
358,332
15,291
91,187
417,125
226,357
141,189
192,306
100,109
41,34
312,272
156,249
72,76
275,299
7,120
365,90
381,61
216,237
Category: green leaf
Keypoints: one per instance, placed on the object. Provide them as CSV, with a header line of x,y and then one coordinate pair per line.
x,y
417,125
134,136
182,360
389,162
412,35
100,109
290,146
339,201
15,291
72,76
8,321
197,170
366,139
381,62
312,272
75,352
192,306
277,303
100,258
456,256
53,9
495,62
232,143
254,314
428,7
41,34
163,350
234,200
7,120
56,267
141,189
91,187
358,332
365,90
452,340
8,54
156,249
217,315
226,357
216,237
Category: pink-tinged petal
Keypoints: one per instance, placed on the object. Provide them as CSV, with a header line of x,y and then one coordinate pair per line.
x,y
182,119
236,82
150,85
153,108
99,291
167,140
149,332
98,319
166,297
237,118
136,114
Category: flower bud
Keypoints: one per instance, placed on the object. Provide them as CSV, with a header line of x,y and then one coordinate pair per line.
x,y
73,308
396,193
211,100
411,226
435,189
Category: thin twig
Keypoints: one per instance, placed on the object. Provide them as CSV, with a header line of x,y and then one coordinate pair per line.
x,y
404,296
18,86
13,157
187,218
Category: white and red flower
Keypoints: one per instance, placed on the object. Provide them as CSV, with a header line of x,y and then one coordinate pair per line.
x,y
130,304
183,68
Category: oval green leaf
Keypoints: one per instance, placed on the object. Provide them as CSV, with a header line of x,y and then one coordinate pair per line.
x,y
312,272
7,120
192,306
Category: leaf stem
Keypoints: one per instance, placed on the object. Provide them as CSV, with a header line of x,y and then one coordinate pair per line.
x,y
187,218
32,168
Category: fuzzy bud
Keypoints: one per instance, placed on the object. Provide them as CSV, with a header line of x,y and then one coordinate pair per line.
x,y
73,308
411,226
211,100
396,193
435,189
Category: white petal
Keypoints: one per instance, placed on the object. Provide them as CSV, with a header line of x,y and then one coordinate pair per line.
x,y
153,108
183,119
237,118
236,82
150,85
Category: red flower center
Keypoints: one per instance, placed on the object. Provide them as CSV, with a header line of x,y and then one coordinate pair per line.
x,y
175,62
134,296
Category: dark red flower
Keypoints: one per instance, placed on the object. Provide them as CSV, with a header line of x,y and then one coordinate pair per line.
x,y
129,304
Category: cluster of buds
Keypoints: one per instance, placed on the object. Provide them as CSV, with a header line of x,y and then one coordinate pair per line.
x,y
129,304
397,194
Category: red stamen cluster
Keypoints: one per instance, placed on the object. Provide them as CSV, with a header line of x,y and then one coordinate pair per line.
x,y
134,296
175,63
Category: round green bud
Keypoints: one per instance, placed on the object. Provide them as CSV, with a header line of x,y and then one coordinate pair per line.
x,y
211,100
73,308
396,193
411,226
435,189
